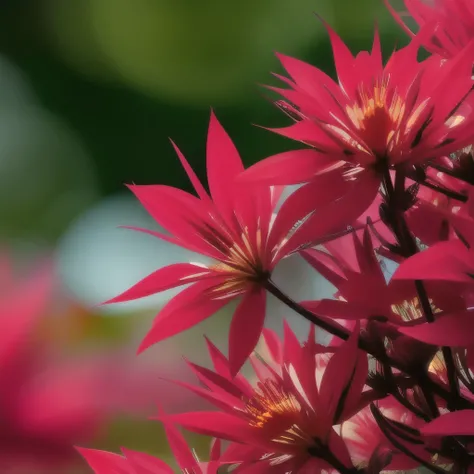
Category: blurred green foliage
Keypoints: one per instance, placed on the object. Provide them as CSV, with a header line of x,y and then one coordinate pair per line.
x,y
128,74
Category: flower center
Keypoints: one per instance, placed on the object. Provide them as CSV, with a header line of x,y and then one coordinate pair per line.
x,y
276,410
243,262
377,116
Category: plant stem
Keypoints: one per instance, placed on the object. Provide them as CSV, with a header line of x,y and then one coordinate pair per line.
x,y
408,243
342,333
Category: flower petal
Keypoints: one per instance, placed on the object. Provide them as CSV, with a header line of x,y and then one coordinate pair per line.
x,y
181,451
143,463
223,166
290,167
216,424
103,462
246,327
451,330
340,386
202,193
456,423
163,279
444,261
185,310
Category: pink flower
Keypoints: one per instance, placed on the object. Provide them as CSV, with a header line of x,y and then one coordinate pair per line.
x,y
456,18
286,422
234,227
133,462
376,117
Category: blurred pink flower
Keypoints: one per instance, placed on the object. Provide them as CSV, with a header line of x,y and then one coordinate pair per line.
x,y
49,402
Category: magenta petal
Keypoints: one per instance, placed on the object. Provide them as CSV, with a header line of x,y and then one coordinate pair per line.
x,y
145,463
216,450
290,167
185,310
202,193
451,330
223,165
339,377
444,261
273,344
246,327
162,279
103,462
182,453
456,423
216,424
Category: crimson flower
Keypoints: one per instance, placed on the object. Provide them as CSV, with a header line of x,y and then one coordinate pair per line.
x,y
285,422
456,19
236,229
134,462
375,117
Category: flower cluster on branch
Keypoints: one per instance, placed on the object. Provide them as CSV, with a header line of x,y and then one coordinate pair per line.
x,y
386,170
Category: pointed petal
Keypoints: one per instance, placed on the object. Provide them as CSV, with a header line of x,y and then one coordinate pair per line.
x,y
337,386
216,450
246,327
185,310
202,193
216,424
223,165
451,330
456,423
145,463
273,343
444,261
163,279
290,167
103,462
181,451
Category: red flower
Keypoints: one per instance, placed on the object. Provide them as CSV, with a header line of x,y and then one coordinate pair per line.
x,y
236,230
133,462
376,116
456,18
286,422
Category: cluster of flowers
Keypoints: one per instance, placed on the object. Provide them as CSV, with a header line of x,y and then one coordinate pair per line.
x,y
386,172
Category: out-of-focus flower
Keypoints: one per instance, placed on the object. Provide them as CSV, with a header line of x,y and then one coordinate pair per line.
x,y
456,23
375,118
284,423
234,228
49,401
133,462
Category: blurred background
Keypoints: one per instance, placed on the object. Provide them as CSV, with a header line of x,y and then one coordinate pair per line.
x,y
90,91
